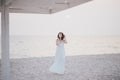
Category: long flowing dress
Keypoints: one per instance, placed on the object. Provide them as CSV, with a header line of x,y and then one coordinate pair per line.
x,y
59,61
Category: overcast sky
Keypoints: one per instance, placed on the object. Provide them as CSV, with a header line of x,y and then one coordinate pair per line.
x,y
97,17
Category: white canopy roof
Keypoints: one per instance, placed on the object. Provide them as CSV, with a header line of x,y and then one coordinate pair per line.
x,y
41,6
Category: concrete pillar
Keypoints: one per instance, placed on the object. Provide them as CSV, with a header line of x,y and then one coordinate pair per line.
x,y
5,62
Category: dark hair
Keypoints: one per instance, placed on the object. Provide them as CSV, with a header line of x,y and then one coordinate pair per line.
x,y
63,36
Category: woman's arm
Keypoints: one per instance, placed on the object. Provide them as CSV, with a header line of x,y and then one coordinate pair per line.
x,y
57,42
65,41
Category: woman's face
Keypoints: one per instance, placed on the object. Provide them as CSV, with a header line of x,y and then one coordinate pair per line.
x,y
60,35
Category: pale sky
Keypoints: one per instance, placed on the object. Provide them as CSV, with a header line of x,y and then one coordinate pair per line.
x,y
98,17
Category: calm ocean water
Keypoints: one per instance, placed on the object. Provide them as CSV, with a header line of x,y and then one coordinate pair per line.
x,y
40,46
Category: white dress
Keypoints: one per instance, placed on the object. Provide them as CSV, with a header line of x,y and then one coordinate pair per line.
x,y
59,61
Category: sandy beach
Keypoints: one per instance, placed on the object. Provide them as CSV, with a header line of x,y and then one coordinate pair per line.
x,y
87,58
86,67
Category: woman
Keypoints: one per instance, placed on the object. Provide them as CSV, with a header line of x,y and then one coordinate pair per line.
x,y
59,61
